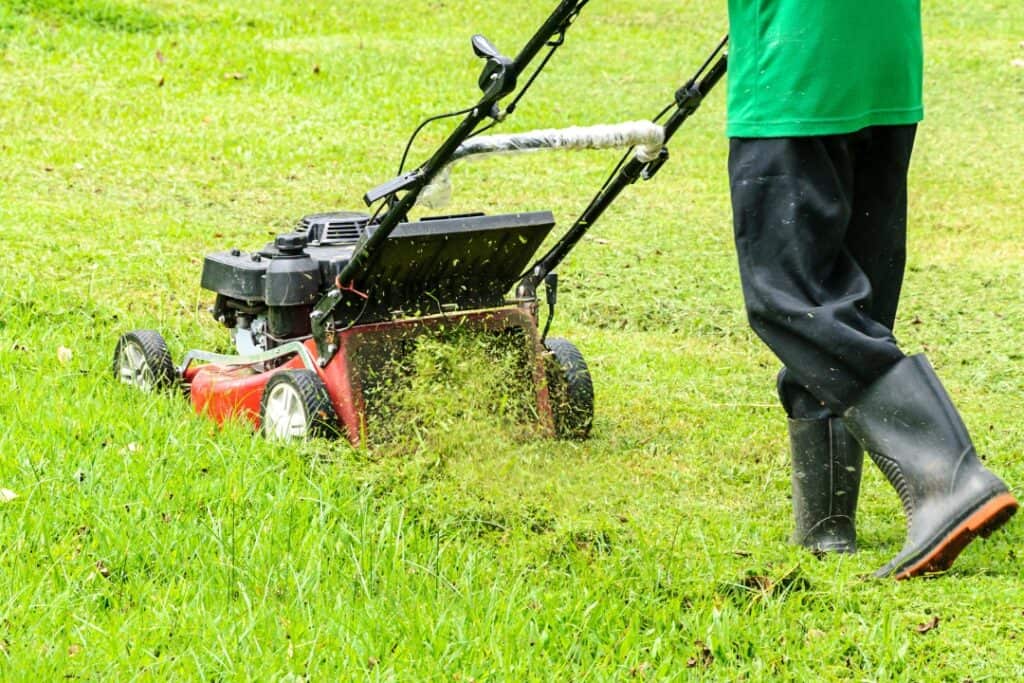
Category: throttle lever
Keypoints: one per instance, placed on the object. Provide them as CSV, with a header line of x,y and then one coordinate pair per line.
x,y
498,77
484,48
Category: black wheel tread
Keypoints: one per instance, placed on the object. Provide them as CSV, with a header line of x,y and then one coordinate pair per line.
x,y
156,353
323,419
571,390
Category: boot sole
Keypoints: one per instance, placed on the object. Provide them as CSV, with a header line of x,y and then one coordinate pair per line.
x,y
983,522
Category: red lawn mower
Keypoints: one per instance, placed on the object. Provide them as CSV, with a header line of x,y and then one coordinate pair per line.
x,y
316,314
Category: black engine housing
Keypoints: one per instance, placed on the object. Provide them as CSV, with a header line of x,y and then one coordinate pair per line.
x,y
433,265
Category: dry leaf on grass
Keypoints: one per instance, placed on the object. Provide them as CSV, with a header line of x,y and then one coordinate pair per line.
x,y
640,670
928,625
704,656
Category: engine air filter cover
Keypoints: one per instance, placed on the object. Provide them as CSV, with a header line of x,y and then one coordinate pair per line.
x,y
335,228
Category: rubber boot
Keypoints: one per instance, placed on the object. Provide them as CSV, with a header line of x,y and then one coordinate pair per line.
x,y
908,424
827,464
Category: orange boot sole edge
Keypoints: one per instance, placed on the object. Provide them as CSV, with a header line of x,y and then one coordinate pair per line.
x,y
985,520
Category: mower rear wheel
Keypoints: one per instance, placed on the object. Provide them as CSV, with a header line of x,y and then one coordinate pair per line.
x,y
295,405
142,360
570,390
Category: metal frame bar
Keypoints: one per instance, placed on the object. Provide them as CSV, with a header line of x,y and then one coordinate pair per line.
x,y
226,359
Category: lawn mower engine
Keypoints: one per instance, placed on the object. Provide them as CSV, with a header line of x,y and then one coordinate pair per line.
x,y
436,266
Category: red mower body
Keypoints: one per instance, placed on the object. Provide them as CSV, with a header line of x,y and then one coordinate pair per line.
x,y
226,392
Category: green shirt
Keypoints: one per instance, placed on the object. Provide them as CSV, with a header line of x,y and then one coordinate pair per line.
x,y
823,67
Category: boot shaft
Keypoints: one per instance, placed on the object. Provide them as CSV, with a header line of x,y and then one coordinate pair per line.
x,y
915,435
827,465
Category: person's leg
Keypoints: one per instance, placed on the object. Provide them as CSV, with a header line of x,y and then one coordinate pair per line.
x,y
927,453
807,296
793,203
827,460
875,238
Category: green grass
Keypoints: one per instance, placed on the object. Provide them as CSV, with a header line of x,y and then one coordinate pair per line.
x,y
146,543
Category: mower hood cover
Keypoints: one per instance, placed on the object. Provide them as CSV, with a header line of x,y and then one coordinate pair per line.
x,y
464,262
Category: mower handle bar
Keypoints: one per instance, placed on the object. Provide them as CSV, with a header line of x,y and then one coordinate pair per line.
x,y
686,102
646,137
498,80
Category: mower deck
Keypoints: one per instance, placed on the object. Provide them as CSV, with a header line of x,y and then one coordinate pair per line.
x,y
230,391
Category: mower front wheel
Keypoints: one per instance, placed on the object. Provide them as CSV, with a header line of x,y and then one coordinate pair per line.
x,y
295,405
570,390
142,360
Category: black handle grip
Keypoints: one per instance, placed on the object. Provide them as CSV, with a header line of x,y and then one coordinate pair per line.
x,y
402,182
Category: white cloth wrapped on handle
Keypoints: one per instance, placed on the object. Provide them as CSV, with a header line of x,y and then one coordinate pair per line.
x,y
648,138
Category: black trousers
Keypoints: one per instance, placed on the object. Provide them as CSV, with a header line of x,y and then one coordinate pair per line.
x,y
820,226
